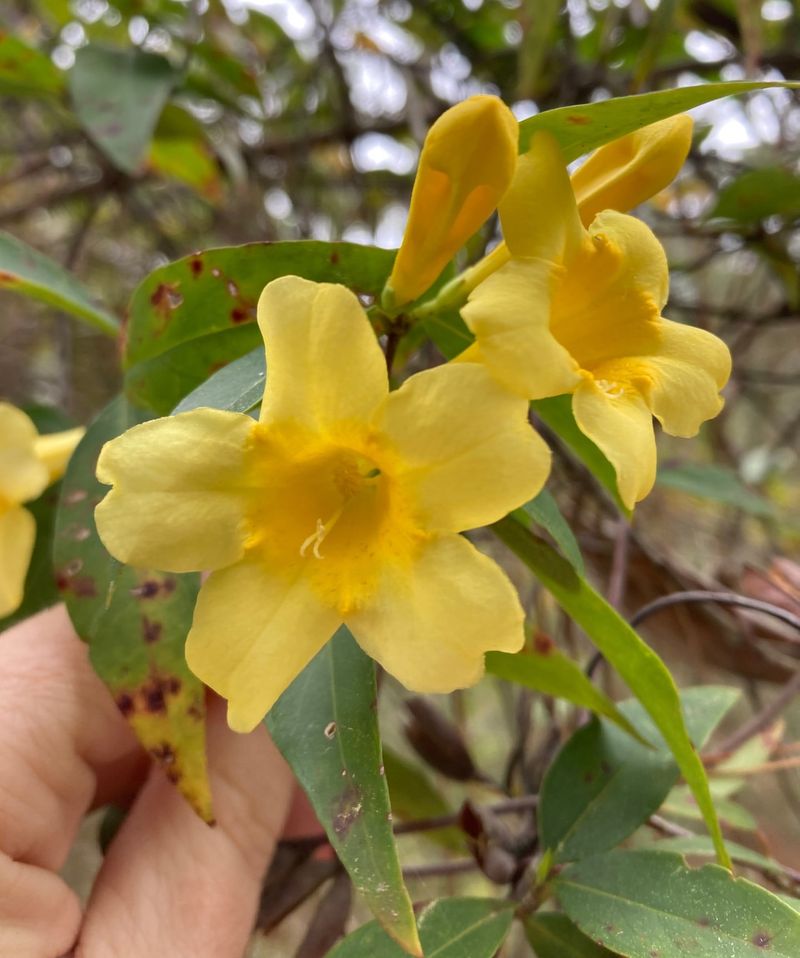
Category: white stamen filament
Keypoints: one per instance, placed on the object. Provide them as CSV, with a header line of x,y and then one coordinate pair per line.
x,y
319,535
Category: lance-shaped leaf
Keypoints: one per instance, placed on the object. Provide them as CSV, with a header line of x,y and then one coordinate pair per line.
x,y
640,903
638,665
237,387
33,274
603,785
580,129
545,512
118,96
544,669
134,620
326,725
449,928
193,316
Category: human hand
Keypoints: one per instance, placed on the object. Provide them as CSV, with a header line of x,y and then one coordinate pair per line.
x,y
169,885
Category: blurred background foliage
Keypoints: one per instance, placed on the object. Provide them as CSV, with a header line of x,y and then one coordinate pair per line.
x,y
234,121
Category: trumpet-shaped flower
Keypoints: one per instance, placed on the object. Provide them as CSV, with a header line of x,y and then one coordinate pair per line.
x,y
466,165
343,503
28,464
578,310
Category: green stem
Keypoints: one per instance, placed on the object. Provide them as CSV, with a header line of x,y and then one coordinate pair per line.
x,y
454,293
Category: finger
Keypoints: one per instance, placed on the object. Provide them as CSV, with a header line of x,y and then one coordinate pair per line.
x,y
171,884
60,739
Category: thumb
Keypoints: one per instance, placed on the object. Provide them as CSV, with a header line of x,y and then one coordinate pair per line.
x,y
172,885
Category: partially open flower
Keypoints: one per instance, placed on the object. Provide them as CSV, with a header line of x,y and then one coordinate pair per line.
x,y
29,463
341,504
466,165
579,311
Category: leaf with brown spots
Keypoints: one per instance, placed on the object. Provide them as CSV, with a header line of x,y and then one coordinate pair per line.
x,y
25,70
191,317
653,902
135,622
326,726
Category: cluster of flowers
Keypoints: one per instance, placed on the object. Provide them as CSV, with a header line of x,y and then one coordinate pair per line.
x,y
344,502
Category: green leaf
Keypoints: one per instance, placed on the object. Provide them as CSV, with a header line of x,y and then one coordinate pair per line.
x,y
680,804
757,194
326,725
643,902
545,512
32,273
449,928
189,160
544,669
134,620
118,96
715,483
193,316
26,70
554,936
556,413
586,126
237,387
700,846
413,796
639,667
603,785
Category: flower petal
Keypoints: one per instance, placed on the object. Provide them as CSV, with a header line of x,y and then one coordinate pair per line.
x,y
324,364
620,423
608,303
55,448
538,212
626,172
180,491
509,313
466,165
685,377
430,625
17,535
252,634
22,476
467,448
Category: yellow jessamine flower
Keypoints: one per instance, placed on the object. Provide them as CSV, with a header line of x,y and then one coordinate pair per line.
x,y
466,165
578,311
341,504
29,463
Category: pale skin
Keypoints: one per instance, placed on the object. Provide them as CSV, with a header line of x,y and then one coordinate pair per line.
x,y
169,885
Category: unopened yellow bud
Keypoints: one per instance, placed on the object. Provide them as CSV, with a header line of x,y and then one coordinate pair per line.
x,y
466,165
630,170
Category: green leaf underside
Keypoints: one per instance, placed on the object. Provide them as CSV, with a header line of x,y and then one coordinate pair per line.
x,y
449,928
413,796
582,128
545,512
26,70
553,935
715,483
639,667
237,387
603,785
641,903
118,96
190,318
326,726
30,272
134,620
544,669
556,412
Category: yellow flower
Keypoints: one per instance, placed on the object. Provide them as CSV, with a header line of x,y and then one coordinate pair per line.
x,y
341,504
466,165
578,311
29,463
